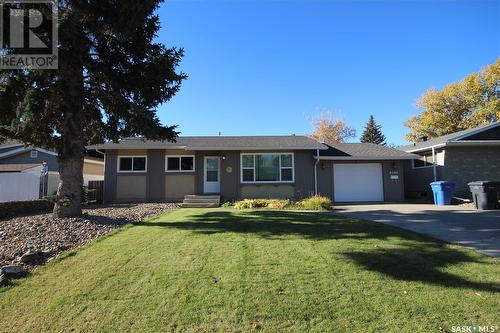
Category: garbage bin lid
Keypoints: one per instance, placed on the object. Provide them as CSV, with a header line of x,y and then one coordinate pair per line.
x,y
483,183
442,182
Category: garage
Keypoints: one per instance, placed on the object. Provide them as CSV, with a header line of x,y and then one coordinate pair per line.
x,y
358,182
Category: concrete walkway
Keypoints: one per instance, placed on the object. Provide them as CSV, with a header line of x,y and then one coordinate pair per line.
x,y
478,230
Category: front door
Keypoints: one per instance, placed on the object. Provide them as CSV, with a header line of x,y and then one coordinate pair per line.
x,y
211,182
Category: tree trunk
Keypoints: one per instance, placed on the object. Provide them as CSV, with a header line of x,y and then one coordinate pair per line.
x,y
71,145
71,149
69,193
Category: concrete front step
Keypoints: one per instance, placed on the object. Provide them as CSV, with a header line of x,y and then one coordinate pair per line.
x,y
217,201
207,196
201,201
199,205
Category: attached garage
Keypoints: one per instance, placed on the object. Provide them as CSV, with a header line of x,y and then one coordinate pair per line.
x,y
358,182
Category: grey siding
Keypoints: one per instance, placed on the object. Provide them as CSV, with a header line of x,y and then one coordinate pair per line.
x,y
156,176
230,176
491,134
466,164
393,188
304,173
417,181
325,178
110,183
25,158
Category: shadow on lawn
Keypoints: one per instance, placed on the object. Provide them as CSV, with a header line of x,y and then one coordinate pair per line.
x,y
417,258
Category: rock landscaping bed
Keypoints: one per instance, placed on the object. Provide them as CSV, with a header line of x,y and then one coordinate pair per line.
x,y
28,241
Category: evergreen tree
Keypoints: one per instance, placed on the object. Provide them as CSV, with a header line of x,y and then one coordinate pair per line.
x,y
111,78
373,133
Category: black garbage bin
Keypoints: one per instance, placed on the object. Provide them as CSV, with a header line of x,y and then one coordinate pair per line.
x,y
485,194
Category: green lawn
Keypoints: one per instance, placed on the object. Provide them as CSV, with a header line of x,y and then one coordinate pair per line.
x,y
205,270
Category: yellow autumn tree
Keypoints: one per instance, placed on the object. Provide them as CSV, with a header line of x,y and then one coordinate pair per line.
x,y
472,102
329,129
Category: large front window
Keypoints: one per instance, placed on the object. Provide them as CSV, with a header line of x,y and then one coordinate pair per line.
x,y
257,168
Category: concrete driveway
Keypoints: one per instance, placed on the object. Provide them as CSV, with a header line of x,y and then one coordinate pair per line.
x,y
478,230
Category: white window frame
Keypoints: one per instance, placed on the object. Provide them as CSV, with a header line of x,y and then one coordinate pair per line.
x,y
180,164
423,160
132,171
35,155
267,181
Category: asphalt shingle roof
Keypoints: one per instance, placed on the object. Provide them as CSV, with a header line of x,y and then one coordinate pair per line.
x,y
364,151
17,167
446,138
219,143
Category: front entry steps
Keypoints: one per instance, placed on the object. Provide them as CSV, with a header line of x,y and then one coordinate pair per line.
x,y
201,201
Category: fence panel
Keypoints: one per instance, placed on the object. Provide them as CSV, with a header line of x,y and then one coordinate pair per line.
x,y
19,186
97,187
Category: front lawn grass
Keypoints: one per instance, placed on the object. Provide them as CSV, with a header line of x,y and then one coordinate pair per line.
x,y
224,270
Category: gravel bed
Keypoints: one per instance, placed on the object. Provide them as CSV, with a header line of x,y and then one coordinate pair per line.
x,y
32,240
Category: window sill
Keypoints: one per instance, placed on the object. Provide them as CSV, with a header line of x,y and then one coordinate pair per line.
x,y
129,172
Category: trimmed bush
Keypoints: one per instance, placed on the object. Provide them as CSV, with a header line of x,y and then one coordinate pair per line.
x,y
262,203
316,202
12,208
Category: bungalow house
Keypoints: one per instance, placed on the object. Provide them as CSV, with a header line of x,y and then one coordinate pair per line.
x,y
235,167
461,157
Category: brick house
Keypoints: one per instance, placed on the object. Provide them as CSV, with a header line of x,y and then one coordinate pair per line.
x,y
461,157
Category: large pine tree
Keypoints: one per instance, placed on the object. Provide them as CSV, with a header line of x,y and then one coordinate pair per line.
x,y
111,78
373,133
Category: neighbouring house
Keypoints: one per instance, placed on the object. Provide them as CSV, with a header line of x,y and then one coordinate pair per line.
x,y
460,157
238,167
20,163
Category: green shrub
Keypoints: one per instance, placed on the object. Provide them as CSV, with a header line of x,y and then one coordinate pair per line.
x,y
227,204
316,202
262,203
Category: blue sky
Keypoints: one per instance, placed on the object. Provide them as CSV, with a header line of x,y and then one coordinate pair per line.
x,y
261,67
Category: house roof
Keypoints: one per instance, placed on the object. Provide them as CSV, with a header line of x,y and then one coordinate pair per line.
x,y
16,149
18,167
219,143
452,137
363,151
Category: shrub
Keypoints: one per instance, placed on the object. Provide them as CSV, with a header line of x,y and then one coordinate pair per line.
x,y
227,204
262,203
316,202
12,208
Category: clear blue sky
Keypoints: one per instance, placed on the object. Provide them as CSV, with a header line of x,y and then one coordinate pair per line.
x,y
260,67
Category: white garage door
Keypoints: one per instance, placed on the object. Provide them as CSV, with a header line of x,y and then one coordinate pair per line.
x,y
358,182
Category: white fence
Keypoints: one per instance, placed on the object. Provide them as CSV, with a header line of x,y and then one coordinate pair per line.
x,y
18,186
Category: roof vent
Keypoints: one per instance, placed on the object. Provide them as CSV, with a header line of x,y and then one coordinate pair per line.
x,y
423,138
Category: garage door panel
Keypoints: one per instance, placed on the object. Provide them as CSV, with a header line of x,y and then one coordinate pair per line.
x,y
358,182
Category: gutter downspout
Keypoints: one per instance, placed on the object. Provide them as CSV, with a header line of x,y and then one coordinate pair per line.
x,y
434,163
316,172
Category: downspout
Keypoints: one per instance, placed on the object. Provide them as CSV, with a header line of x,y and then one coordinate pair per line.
x,y
316,172
434,163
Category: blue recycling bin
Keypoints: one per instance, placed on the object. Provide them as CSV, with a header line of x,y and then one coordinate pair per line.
x,y
443,192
